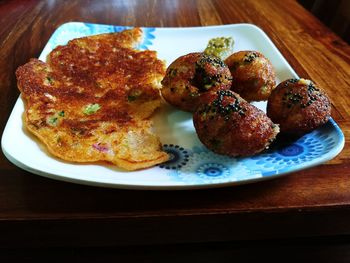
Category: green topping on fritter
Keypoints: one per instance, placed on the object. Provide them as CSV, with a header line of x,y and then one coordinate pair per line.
x,y
134,94
91,109
53,119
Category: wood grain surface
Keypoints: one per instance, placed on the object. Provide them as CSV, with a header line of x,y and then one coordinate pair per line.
x,y
36,212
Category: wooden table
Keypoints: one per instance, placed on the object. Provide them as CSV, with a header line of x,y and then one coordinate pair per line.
x,y
306,212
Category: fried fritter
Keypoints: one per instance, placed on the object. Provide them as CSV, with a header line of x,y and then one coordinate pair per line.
x,y
191,75
93,98
298,106
227,124
253,75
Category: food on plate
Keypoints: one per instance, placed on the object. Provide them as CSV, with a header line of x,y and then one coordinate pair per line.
x,y
220,47
298,106
227,124
191,75
253,76
93,99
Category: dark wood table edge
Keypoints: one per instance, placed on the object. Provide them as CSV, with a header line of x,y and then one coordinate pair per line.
x,y
172,229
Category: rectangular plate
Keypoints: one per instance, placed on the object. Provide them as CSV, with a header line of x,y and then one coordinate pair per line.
x,y
192,165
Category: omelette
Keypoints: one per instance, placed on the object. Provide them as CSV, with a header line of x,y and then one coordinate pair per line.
x,y
92,100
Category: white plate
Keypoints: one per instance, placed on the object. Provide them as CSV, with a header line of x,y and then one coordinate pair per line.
x,y
192,165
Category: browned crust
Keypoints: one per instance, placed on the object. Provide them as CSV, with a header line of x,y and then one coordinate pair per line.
x,y
298,106
253,79
103,72
183,83
231,126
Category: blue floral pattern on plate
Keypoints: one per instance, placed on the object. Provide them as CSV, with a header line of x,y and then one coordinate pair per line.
x,y
178,156
204,166
290,153
286,155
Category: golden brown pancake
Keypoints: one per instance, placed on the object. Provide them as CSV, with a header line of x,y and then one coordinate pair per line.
x,y
93,98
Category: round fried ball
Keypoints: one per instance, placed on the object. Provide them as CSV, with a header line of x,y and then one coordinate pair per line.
x,y
253,75
227,124
191,75
298,106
